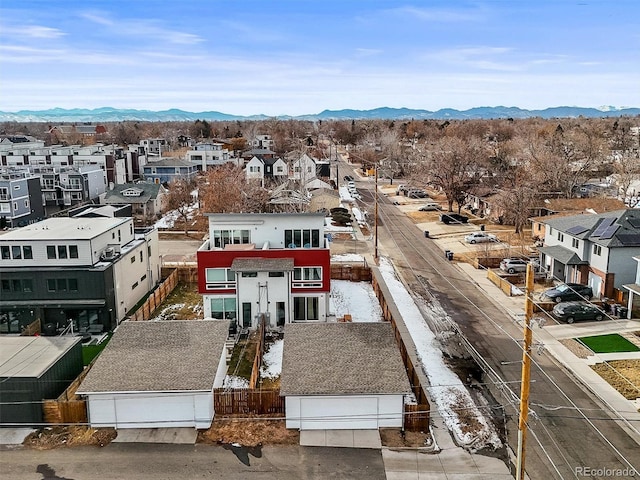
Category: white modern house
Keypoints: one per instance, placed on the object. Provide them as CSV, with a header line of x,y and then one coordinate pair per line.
x,y
595,250
205,155
342,376
265,169
271,264
157,374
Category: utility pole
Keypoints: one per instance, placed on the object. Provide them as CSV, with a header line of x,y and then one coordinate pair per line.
x,y
375,228
526,375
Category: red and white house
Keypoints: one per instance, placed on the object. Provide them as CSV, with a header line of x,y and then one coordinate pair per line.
x,y
277,264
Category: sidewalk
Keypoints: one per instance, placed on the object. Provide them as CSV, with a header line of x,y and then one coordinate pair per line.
x,y
550,336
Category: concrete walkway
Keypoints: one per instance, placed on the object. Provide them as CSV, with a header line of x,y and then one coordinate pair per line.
x,y
341,438
157,435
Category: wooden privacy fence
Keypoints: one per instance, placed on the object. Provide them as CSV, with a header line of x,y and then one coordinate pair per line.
x,y
186,273
500,282
247,401
156,298
354,273
416,417
257,360
68,407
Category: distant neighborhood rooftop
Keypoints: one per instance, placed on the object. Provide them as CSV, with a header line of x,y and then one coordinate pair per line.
x,y
341,358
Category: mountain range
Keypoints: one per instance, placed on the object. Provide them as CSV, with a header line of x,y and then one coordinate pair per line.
x,y
108,114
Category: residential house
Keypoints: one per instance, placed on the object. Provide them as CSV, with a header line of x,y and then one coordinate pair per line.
x,y
595,250
271,264
342,376
83,274
70,133
145,199
207,155
63,187
168,169
262,141
153,147
157,375
633,302
304,169
570,206
20,198
266,170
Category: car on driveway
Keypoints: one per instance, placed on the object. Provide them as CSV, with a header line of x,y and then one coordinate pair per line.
x,y
514,265
480,237
569,291
451,218
348,178
417,193
429,207
572,311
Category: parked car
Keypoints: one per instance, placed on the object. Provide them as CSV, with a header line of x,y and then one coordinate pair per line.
x,y
351,183
572,311
348,178
480,237
450,218
417,193
569,291
514,265
429,206
402,188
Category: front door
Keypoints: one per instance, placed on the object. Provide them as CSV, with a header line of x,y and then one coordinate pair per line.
x,y
280,314
246,315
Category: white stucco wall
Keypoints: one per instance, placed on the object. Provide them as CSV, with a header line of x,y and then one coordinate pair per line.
x,y
344,412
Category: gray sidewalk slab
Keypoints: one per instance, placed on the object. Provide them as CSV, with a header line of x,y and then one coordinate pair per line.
x,y
14,436
341,438
157,435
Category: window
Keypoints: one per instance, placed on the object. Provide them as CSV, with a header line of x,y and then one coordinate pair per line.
x,y
5,285
223,308
62,251
73,251
254,169
61,285
51,251
575,242
220,278
305,308
249,274
73,285
51,285
27,253
26,204
133,259
307,277
276,274
279,169
143,277
221,238
597,250
16,252
302,238
6,252
560,237
141,256
27,285
133,287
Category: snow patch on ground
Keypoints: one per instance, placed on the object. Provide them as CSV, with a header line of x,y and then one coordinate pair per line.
x,y
169,218
272,360
347,257
454,403
232,381
170,312
356,299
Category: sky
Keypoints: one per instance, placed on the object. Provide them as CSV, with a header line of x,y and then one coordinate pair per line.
x,y
296,57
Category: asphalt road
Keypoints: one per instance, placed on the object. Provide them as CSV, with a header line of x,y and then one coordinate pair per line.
x,y
171,462
561,439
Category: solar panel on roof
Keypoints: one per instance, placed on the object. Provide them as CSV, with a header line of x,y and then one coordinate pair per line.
x,y
606,222
634,222
577,230
609,232
629,239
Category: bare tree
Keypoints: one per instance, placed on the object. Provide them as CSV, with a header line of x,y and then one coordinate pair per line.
x,y
180,198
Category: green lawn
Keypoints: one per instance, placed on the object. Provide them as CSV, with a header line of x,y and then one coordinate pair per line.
x,y
608,343
89,352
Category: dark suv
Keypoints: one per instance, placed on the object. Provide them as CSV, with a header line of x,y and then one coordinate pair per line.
x,y
572,311
569,291
450,218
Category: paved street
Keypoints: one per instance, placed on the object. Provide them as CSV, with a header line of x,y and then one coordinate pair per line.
x,y
171,462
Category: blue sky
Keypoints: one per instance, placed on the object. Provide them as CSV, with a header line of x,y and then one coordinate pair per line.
x,y
300,56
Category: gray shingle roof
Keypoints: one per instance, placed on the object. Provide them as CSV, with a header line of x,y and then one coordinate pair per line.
x,y
627,234
259,264
181,355
341,358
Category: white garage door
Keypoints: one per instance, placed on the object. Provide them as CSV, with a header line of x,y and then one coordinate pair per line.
x,y
177,411
338,413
